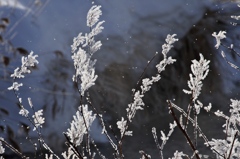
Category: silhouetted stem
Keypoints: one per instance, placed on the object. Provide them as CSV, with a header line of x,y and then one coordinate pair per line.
x,y
182,130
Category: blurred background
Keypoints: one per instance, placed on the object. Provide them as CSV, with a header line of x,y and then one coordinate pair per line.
x,y
134,31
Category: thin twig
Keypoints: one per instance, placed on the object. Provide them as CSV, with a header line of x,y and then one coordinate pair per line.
x,y
13,149
160,149
182,130
102,123
98,151
74,149
145,69
195,126
188,112
234,139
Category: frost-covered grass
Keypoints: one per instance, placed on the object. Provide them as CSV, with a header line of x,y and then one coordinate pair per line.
x,y
78,139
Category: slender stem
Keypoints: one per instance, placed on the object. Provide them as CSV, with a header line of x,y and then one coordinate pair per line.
x,y
188,112
198,128
13,149
74,149
182,130
102,122
145,69
128,121
160,148
234,139
195,126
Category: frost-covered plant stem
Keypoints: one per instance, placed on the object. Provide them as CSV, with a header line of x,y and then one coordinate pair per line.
x,y
12,148
37,120
160,149
199,70
84,46
138,95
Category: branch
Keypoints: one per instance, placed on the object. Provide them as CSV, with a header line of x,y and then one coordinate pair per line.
x,y
13,149
74,149
234,139
182,130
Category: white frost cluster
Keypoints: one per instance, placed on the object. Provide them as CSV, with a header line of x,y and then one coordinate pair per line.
x,y
70,154
198,105
27,62
208,108
178,155
24,112
93,15
48,156
164,137
236,17
80,126
199,70
38,119
15,86
122,125
221,35
166,48
30,102
83,47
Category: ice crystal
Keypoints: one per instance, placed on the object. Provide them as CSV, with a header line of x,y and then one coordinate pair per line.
x,y
178,155
38,119
15,86
164,138
30,60
23,112
221,35
48,156
69,154
208,108
122,125
30,102
235,17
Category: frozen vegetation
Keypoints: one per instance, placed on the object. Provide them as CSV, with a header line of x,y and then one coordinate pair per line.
x,y
80,144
